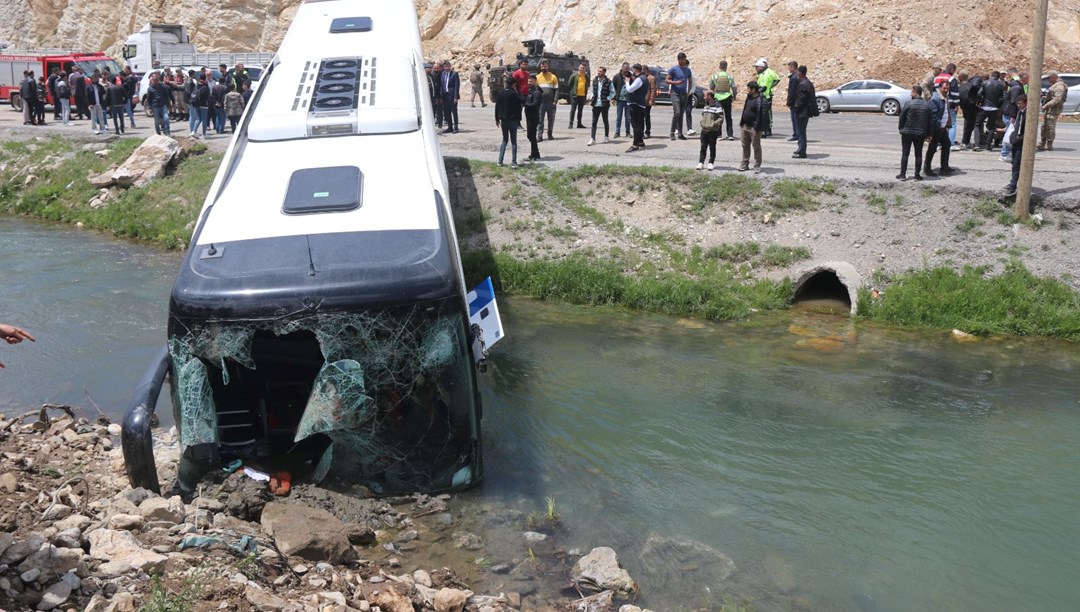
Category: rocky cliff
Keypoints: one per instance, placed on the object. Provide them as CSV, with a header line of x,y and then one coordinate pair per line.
x,y
837,39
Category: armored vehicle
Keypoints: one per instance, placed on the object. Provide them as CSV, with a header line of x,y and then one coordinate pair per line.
x,y
563,65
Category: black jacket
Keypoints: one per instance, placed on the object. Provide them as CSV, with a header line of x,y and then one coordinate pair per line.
x,y
28,90
1009,108
805,99
994,93
754,115
507,105
792,88
533,99
158,96
915,118
201,99
115,95
217,95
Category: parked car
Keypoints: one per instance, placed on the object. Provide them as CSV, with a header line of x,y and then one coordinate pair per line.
x,y
663,90
865,95
1072,99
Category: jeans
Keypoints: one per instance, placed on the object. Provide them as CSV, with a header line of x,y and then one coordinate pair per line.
x,y
129,112
577,104
907,143
680,108
952,125
203,116
620,110
118,118
751,138
193,118
940,140
794,124
597,113
97,118
708,142
547,117
800,125
65,110
219,120
161,120
509,134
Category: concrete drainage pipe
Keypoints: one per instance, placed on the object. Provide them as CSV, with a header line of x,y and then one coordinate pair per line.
x,y
833,281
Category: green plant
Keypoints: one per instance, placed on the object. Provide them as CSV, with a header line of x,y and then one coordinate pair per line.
x,y
248,565
780,256
552,515
162,599
968,224
877,202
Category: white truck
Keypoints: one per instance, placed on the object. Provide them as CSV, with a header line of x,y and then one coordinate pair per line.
x,y
167,45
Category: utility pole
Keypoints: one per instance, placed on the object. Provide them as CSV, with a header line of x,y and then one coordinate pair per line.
x,y
1031,125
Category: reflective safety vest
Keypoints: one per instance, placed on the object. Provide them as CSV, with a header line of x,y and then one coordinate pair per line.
x,y
721,83
766,80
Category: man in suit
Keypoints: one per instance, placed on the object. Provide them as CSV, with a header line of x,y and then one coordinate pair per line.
x,y
451,94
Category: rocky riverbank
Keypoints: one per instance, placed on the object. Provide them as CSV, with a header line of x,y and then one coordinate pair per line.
x,y
75,535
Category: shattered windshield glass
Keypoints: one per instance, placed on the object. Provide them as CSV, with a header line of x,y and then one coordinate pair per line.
x,y
381,398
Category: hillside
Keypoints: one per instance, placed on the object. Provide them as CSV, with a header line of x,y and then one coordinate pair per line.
x,y
837,40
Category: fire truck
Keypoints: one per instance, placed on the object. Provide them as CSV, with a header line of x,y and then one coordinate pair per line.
x,y
42,61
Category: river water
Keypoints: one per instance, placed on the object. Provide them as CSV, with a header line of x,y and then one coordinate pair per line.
x,y
840,466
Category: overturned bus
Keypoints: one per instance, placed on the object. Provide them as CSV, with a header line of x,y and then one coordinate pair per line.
x,y
319,323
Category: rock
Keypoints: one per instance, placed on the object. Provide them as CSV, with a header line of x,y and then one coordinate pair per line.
x,y
55,595
600,571
68,538
310,533
600,602
361,535
262,600
122,602
115,429
134,496
120,548
332,598
21,550
8,482
148,162
209,503
665,558
450,600
169,509
408,536
127,522
629,608
53,561
75,521
502,568
390,599
468,541
963,337
30,575
534,536
422,577
6,540
103,180
316,583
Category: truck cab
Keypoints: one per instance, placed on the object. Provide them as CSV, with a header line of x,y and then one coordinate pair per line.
x,y
143,47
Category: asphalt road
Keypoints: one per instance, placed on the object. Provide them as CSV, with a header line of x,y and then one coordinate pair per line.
x,y
862,147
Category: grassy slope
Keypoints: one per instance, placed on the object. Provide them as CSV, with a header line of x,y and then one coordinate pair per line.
x,y
709,284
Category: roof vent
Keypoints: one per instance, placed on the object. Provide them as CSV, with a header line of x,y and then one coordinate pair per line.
x,y
342,25
320,190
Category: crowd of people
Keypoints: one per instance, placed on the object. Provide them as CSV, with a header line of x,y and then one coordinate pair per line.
x,y
633,91
994,108
196,97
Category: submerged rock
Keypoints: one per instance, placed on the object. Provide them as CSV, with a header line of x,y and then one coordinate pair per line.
x,y
600,571
668,561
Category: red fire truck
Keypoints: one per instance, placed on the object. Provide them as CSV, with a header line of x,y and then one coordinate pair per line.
x,y
42,61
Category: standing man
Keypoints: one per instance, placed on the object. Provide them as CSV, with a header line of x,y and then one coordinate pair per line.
x,y
681,80
239,77
620,82
939,130
51,86
930,80
451,95
28,91
1009,110
914,129
158,98
601,94
95,95
533,99
724,91
766,80
636,92
476,79
435,91
579,89
650,100
986,121
131,91
77,82
549,87
1052,109
751,126
115,96
217,103
970,97
1017,142
805,107
792,92
521,78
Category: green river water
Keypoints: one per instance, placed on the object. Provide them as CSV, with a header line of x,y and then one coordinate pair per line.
x,y
840,466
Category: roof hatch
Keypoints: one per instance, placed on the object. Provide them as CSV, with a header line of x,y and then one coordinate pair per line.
x,y
343,25
320,190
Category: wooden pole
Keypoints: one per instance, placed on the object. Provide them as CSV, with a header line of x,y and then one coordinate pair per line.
x,y
1031,125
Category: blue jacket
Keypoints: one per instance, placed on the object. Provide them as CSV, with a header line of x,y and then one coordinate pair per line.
x,y
450,85
937,111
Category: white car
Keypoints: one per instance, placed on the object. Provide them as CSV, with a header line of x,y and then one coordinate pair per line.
x,y
864,95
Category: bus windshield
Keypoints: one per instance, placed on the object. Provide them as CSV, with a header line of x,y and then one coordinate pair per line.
x,y
381,398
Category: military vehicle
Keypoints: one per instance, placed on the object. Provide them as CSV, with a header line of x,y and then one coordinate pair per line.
x,y
563,65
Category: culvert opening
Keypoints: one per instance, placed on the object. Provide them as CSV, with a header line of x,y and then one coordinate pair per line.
x,y
823,290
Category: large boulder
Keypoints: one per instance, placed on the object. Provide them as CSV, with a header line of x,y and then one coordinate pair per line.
x,y
22,549
310,533
167,509
123,552
600,571
146,163
670,560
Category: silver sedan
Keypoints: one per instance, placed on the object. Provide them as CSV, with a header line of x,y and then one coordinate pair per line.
x,y
867,95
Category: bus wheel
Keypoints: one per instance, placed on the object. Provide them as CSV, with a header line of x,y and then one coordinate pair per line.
x,y
16,102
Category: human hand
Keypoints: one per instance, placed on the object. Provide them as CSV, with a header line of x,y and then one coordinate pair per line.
x,y
14,335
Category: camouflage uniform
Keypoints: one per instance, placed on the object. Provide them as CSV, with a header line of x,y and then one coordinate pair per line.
x,y
1052,108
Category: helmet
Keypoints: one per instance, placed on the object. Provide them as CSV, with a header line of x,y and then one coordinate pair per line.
x,y
761,63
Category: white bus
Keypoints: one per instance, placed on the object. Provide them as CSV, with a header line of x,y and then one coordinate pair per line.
x,y
320,322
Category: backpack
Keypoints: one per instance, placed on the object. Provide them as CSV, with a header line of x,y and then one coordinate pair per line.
x,y
712,119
